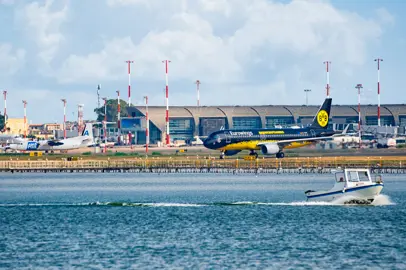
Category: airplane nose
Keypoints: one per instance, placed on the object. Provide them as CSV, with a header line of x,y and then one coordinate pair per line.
x,y
208,143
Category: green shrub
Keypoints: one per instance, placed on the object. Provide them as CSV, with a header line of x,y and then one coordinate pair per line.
x,y
87,153
156,154
120,154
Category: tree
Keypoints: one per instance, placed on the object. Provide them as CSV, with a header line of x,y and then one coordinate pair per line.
x,y
1,122
112,110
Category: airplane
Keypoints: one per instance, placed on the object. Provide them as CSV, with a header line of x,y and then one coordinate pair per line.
x,y
51,145
272,141
10,138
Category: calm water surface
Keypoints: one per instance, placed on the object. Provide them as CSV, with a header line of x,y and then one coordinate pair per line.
x,y
206,221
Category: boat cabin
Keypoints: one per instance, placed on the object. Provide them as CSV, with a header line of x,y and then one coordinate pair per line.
x,y
355,177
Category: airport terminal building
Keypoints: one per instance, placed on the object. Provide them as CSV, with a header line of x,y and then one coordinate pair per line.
x,y
185,122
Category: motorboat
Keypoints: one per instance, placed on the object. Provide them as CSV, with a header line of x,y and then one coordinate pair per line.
x,y
355,186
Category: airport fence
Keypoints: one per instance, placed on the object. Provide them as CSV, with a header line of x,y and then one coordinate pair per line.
x,y
169,163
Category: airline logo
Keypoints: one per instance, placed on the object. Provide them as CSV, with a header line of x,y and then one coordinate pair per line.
x,y
32,146
241,133
322,118
86,133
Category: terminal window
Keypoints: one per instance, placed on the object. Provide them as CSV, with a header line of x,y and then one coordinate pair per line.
x,y
246,122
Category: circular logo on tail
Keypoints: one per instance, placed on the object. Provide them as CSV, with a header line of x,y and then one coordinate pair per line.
x,y
322,118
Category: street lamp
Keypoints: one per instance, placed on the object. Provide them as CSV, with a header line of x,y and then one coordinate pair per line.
x,y
307,91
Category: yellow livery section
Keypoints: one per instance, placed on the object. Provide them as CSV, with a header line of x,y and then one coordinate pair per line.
x,y
322,118
253,145
271,132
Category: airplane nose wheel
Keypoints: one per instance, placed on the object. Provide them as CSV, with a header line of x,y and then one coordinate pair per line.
x,y
280,155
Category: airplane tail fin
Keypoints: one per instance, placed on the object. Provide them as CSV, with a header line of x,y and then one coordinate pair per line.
x,y
88,131
323,114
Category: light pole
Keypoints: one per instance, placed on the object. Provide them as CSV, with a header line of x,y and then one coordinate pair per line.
x,y
64,117
359,87
379,93
25,118
147,125
167,103
105,125
198,92
307,92
327,77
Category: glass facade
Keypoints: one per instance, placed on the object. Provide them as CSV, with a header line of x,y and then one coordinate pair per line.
x,y
385,120
246,122
131,123
181,128
272,121
345,119
305,120
402,120
212,124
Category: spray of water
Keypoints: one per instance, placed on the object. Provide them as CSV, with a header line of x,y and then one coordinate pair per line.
x,y
380,200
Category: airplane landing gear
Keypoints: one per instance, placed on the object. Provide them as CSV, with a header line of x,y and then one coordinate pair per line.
x,y
253,153
280,155
222,155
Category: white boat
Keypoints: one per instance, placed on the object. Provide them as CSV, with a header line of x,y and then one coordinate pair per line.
x,y
355,185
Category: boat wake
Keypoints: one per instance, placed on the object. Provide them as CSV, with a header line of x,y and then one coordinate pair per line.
x,y
380,200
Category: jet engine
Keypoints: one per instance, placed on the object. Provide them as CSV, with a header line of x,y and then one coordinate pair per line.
x,y
270,149
231,152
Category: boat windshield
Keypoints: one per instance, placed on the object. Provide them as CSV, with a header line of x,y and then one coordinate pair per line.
x,y
358,176
340,177
363,176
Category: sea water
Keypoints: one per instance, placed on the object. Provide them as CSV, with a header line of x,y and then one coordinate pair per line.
x,y
195,221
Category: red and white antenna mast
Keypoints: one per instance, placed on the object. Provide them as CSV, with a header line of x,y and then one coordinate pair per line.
x,y
147,125
359,87
118,117
5,109
80,118
167,102
328,78
64,117
379,93
198,92
105,125
129,62
25,118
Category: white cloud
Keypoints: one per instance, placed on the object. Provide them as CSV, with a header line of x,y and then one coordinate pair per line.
x,y
126,2
385,17
7,2
43,26
270,32
10,60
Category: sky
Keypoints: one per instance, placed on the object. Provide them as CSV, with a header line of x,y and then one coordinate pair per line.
x,y
256,52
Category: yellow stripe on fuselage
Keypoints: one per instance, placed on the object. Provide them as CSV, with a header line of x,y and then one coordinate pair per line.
x,y
253,145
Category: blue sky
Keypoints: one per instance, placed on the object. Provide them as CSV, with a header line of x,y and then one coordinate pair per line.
x,y
253,52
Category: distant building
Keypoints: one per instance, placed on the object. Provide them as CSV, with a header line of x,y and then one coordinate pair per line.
x,y
16,126
53,126
188,121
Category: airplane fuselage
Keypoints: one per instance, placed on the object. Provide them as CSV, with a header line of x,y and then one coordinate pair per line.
x,y
252,139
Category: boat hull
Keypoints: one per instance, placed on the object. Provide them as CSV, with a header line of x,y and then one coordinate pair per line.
x,y
362,194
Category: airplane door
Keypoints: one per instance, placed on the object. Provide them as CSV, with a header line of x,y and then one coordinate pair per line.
x,y
228,139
